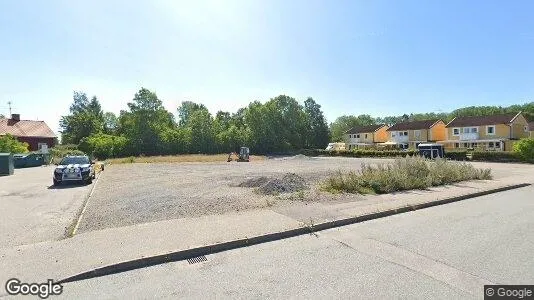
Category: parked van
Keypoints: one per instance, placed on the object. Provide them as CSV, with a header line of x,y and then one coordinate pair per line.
x,y
335,146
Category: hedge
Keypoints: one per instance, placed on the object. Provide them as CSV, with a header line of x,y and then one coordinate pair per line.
x,y
358,153
456,155
499,156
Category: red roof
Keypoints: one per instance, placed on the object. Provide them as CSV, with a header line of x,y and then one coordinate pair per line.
x,y
25,128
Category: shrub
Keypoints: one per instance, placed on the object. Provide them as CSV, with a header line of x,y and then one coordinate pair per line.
x,y
456,155
404,174
10,144
498,156
104,146
65,147
525,149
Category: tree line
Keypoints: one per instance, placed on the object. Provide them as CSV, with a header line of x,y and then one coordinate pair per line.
x,y
346,122
280,125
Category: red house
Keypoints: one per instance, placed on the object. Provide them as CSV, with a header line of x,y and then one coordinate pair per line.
x,y
35,133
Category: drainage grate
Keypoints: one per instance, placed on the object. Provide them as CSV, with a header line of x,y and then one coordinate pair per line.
x,y
197,259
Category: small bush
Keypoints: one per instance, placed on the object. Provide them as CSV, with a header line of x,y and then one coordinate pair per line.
x,y
104,146
404,174
9,144
525,149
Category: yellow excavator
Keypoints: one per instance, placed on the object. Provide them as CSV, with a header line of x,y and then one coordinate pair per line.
x,y
243,156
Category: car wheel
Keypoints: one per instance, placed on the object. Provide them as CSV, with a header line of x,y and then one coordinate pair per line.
x,y
89,180
56,183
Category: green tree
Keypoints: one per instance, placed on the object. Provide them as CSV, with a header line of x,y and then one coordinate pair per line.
x,y
143,125
111,123
525,149
177,140
202,137
318,133
85,119
9,144
186,109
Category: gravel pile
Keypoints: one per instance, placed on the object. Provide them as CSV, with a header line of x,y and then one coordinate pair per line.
x,y
254,182
288,183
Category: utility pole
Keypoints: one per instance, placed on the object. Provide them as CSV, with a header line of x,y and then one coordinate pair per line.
x,y
9,103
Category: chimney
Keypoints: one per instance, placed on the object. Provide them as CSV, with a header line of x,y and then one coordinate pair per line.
x,y
15,117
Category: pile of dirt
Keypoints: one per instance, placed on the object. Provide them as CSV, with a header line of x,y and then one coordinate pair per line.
x,y
254,182
288,183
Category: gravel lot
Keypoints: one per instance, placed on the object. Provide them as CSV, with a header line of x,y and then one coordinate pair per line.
x,y
138,193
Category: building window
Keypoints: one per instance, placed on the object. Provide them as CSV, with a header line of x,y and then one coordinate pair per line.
x,y
466,145
470,129
456,145
417,133
490,144
357,136
366,135
456,131
474,145
497,144
403,133
393,134
490,130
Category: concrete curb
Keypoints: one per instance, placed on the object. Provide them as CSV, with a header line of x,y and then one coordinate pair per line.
x,y
235,244
73,227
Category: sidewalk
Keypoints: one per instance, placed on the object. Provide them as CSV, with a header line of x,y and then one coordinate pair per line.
x,y
84,252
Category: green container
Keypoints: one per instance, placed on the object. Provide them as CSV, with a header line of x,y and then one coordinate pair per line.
x,y
29,160
7,166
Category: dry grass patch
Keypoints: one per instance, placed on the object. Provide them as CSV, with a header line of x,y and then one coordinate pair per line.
x,y
404,174
177,158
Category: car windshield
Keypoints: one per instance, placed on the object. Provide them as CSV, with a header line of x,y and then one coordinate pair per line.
x,y
74,160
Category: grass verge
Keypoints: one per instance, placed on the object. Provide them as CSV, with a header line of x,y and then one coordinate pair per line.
x,y
177,158
404,174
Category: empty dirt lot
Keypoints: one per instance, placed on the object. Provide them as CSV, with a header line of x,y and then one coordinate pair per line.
x,y
137,193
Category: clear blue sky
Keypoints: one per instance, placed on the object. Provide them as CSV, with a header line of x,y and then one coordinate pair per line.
x,y
376,57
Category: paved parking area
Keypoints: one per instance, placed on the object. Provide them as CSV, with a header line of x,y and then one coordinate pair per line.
x,y
33,210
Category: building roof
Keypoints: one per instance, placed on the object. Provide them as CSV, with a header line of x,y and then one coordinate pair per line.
x,y
531,126
25,128
363,129
414,125
482,120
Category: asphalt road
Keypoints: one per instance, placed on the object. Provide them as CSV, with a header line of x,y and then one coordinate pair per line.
x,y
33,210
444,252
